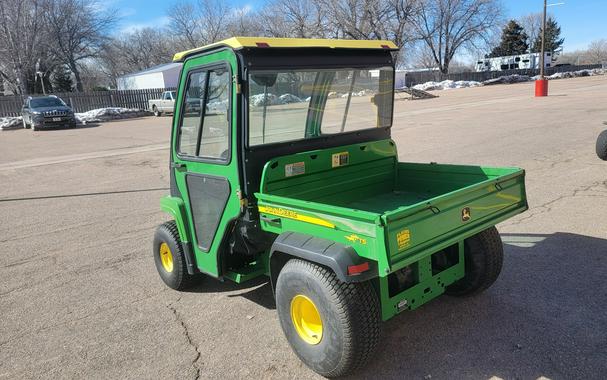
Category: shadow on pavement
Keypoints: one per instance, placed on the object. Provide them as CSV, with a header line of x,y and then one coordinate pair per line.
x,y
545,316
258,290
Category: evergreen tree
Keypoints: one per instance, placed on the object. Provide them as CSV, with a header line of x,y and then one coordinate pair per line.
x,y
553,37
514,41
62,79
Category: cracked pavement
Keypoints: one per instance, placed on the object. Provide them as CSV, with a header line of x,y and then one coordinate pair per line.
x,y
80,298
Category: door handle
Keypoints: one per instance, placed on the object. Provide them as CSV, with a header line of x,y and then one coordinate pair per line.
x,y
178,166
270,220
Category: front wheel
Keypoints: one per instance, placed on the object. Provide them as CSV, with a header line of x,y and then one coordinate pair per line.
x,y
483,258
170,258
601,145
332,326
157,113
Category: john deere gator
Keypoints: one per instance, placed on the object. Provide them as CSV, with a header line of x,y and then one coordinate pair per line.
x,y
282,165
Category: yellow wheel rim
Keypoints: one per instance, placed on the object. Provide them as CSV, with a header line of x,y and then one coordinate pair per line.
x,y
306,319
166,257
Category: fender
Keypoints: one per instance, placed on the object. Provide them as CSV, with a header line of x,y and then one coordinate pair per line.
x,y
176,208
336,256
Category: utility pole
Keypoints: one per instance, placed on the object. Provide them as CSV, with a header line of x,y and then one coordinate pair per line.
x,y
543,54
541,85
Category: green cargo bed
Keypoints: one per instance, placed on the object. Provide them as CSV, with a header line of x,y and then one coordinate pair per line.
x,y
415,206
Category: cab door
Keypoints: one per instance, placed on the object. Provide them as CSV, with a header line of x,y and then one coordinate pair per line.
x,y
204,155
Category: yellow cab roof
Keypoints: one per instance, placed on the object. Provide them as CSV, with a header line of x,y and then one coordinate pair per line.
x,y
269,42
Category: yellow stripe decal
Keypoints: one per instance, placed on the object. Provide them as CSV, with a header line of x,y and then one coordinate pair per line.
x,y
294,215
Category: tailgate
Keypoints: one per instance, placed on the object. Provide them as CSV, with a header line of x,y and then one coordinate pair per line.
x,y
457,214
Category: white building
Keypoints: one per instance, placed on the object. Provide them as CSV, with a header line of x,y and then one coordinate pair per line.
x,y
513,62
161,76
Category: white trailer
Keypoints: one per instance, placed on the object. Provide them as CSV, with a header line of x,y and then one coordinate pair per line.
x,y
513,62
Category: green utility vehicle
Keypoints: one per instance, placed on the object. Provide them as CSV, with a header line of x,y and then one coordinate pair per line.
x,y
282,166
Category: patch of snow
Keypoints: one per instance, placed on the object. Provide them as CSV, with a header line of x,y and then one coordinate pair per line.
x,y
10,123
576,74
263,99
289,98
446,85
221,106
109,113
507,79
359,93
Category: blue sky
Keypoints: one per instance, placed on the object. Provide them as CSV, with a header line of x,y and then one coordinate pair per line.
x,y
581,20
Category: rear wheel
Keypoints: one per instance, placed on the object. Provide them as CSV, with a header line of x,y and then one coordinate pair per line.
x,y
483,255
601,145
332,326
157,113
170,259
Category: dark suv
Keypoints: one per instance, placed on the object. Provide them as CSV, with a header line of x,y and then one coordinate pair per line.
x,y
47,111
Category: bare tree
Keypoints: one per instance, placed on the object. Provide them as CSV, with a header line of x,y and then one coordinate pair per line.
x,y
243,22
186,25
76,31
213,15
447,26
532,23
200,23
597,52
294,18
373,19
21,35
135,51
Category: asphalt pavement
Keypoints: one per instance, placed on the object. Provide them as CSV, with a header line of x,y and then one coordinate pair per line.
x,y
80,296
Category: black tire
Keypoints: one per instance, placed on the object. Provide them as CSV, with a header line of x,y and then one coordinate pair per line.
x,y
484,256
601,145
350,337
156,112
178,277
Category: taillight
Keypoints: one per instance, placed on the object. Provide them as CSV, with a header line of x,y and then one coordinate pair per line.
x,y
353,270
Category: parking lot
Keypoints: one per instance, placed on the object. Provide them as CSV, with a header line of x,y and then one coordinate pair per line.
x,y
80,296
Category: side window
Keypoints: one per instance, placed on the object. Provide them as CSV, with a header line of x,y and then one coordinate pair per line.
x,y
191,113
205,126
215,124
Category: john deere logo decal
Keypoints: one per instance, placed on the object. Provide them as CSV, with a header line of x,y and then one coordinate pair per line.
x,y
466,214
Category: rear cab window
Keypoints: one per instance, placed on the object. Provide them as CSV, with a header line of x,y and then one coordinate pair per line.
x,y
300,104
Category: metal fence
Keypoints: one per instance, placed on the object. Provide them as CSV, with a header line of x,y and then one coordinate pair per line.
x,y
86,101
417,77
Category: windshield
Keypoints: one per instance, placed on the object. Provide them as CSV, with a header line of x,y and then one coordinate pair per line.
x,y
46,102
293,105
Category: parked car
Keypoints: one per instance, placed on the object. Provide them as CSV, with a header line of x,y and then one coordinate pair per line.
x,y
166,103
601,144
47,111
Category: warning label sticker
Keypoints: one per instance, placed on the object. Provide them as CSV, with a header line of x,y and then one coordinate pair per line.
x,y
295,168
340,159
403,238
